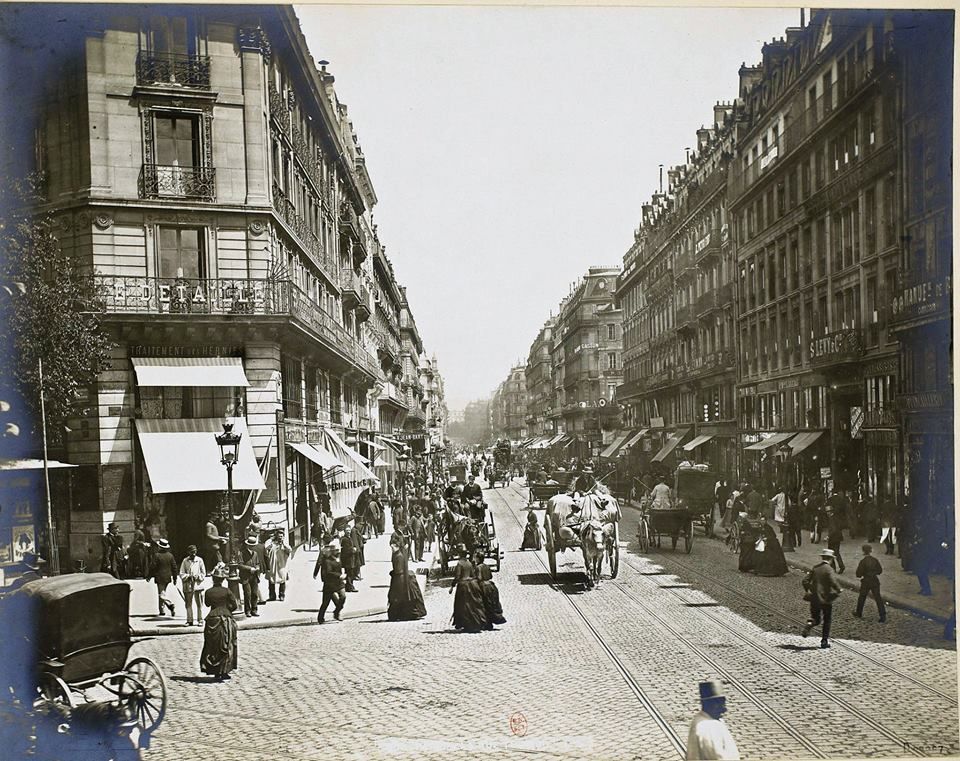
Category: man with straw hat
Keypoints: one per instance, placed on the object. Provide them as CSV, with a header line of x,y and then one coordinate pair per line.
x,y
822,588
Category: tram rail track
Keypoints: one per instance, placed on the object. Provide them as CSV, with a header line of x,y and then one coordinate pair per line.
x,y
669,559
671,735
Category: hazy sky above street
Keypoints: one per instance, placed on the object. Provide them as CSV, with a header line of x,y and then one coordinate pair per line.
x,y
512,147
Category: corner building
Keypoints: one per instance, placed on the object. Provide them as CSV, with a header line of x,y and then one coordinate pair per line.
x,y
205,175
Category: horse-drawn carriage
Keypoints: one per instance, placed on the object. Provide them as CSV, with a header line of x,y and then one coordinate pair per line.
x,y
692,498
459,472
475,531
79,645
559,482
595,531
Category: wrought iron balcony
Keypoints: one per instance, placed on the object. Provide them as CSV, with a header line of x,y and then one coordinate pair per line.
x,y
196,183
686,317
707,302
173,69
302,232
715,360
708,246
350,288
837,348
683,263
363,309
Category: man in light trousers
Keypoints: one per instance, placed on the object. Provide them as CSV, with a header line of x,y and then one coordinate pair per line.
x,y
192,574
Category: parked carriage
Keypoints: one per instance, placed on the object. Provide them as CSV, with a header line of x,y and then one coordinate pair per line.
x,y
80,644
475,533
597,536
693,498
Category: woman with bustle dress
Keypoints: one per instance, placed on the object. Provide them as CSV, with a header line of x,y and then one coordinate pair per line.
x,y
491,595
404,600
219,656
469,608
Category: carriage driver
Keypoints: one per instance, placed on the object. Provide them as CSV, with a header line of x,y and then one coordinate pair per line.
x,y
572,523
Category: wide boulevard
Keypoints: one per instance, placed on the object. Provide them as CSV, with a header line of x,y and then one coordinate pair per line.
x,y
605,673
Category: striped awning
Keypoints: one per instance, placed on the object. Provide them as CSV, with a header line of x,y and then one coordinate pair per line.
x,y
772,441
189,371
317,455
615,445
337,446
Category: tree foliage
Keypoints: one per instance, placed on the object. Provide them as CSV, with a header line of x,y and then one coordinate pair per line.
x,y
47,310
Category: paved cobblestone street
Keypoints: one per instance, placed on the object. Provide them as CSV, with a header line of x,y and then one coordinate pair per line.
x,y
610,673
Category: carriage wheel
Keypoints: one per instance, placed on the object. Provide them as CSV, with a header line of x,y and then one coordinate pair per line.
x,y
144,690
551,544
643,537
688,538
54,690
615,556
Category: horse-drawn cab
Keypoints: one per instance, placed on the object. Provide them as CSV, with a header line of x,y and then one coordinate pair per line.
x,y
77,642
590,522
691,499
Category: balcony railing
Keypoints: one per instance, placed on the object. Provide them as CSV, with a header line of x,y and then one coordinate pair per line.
x,y
707,302
179,70
715,360
279,110
682,260
306,237
227,296
196,183
363,308
837,347
660,378
686,317
350,288
707,246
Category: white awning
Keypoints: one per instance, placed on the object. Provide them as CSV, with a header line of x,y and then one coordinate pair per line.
x,y
802,440
182,456
317,455
360,462
694,443
33,465
615,445
635,438
189,371
670,445
772,441
396,446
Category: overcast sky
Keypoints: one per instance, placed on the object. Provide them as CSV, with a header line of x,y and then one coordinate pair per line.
x,y
511,148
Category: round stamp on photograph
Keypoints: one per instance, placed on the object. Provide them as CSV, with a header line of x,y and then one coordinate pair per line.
x,y
518,724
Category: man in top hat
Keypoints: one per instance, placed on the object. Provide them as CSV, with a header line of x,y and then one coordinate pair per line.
x,y
250,567
823,588
709,736
163,572
111,559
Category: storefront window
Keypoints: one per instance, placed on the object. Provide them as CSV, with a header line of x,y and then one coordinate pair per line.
x,y
175,402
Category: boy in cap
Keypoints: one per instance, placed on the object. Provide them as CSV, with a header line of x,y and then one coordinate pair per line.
x,y
823,588
868,571
709,736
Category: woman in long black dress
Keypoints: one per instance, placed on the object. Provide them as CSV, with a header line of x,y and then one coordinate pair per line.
x,y
531,533
219,656
404,600
491,595
469,610
750,532
771,561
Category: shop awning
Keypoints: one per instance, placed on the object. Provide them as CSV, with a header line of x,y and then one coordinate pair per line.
x,y
33,464
555,440
777,438
396,446
694,443
565,444
189,371
360,462
615,445
802,440
318,455
635,438
672,440
375,446
182,456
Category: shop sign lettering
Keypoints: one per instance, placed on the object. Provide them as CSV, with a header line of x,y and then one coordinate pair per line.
x,y
923,298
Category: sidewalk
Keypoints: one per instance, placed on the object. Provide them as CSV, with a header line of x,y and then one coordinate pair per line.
x,y
303,595
898,587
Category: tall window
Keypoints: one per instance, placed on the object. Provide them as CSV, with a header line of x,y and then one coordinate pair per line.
x,y
172,35
178,139
181,253
612,361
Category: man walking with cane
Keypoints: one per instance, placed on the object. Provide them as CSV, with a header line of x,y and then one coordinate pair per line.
x,y
823,588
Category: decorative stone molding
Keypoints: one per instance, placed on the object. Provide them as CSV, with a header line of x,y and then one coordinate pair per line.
x,y
257,227
254,38
103,221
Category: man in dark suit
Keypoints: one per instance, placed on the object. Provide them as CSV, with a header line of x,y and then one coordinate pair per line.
x,y
835,531
250,567
417,531
163,572
350,555
823,588
328,565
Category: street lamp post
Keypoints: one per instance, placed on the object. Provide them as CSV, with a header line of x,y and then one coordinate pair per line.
x,y
403,459
229,443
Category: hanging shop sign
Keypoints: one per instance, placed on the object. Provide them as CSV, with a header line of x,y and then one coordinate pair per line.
x,y
924,298
747,391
